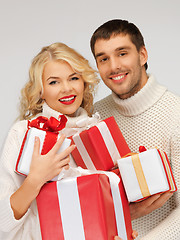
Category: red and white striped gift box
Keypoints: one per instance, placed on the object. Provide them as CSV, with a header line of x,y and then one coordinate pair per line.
x,y
48,132
87,207
99,147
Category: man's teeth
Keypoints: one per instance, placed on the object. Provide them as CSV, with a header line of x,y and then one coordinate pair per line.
x,y
66,99
118,78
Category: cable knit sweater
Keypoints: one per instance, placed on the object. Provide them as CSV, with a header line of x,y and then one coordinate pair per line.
x,y
151,118
27,228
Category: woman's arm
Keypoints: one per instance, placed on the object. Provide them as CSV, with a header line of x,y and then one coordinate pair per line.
x,y
43,168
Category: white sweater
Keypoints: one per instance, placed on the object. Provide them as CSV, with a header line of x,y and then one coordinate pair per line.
x,y
27,228
151,118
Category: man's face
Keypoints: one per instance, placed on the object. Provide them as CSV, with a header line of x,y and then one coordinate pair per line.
x,y
120,65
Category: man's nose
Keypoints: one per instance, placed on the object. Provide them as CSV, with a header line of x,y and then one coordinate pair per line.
x,y
115,64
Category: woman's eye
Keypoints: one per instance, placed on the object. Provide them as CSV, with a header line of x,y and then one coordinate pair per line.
x,y
74,78
52,82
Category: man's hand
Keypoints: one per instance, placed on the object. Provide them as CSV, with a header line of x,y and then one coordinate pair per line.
x,y
134,236
148,205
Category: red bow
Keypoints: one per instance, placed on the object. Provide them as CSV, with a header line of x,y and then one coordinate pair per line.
x,y
51,124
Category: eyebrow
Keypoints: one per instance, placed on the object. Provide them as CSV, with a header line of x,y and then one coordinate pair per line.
x,y
55,78
116,50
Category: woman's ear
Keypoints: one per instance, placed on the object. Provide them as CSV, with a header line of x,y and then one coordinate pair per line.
x,y
143,55
42,95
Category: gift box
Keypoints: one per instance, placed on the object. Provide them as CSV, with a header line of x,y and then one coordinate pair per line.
x,y
88,207
145,174
99,147
48,132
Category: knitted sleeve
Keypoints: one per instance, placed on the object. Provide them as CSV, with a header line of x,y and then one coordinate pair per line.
x,y
169,228
10,182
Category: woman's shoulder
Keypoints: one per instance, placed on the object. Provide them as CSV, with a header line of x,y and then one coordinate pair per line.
x,y
15,135
19,125
18,128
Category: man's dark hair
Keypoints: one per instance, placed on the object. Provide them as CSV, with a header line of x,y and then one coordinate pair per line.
x,y
115,27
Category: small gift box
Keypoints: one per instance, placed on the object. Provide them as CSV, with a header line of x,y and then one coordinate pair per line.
x,y
99,147
87,207
48,132
145,174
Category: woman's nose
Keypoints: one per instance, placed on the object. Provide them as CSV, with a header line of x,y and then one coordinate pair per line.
x,y
66,86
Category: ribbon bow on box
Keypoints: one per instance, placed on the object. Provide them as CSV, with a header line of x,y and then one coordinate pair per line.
x,y
48,132
48,124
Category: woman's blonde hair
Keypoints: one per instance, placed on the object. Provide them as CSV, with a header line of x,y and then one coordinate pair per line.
x,y
31,101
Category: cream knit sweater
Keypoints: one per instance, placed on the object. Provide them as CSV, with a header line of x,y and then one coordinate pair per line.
x,y
151,118
27,228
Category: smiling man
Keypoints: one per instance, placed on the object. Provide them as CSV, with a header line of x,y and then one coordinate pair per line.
x,y
147,114
120,65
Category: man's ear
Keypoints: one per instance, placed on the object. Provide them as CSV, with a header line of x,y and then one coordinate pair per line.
x,y
143,55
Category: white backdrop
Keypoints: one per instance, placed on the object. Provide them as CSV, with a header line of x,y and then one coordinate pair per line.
x,y
27,26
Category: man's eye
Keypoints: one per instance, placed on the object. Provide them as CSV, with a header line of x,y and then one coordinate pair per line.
x,y
122,54
103,59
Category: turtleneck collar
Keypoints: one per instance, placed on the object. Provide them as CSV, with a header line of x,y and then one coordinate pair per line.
x,y
79,114
142,100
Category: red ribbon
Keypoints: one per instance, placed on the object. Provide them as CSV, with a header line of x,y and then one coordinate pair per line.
x,y
142,149
49,124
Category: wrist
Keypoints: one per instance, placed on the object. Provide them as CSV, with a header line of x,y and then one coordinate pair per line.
x,y
34,185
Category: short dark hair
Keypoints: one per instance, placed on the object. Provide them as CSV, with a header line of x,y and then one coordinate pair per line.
x,y
115,27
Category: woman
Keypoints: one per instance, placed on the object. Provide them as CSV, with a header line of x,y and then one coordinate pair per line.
x,y
60,82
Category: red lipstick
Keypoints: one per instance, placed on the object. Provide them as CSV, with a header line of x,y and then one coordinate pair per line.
x,y
67,100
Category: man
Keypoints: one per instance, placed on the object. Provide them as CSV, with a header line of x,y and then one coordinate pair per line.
x,y
147,114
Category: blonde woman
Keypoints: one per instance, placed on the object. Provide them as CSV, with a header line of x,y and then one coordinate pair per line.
x,y
60,82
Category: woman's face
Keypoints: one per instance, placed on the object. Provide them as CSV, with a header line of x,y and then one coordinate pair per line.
x,y
63,88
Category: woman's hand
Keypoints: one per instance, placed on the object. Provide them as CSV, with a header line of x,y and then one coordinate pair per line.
x,y
45,167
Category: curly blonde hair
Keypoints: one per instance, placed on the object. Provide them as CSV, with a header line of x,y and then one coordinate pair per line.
x,y
31,101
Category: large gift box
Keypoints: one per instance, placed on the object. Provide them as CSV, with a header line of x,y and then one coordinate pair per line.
x,y
48,132
99,147
87,207
146,173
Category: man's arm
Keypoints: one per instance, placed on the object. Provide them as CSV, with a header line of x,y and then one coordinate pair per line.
x,y
148,205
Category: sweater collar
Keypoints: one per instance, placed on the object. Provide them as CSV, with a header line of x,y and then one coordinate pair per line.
x,y
79,115
142,100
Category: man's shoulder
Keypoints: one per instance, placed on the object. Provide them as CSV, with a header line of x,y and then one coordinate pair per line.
x,y
172,98
104,106
169,106
103,101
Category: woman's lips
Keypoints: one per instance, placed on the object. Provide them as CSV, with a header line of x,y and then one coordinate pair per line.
x,y
67,100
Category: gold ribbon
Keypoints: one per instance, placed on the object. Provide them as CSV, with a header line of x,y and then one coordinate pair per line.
x,y
140,175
